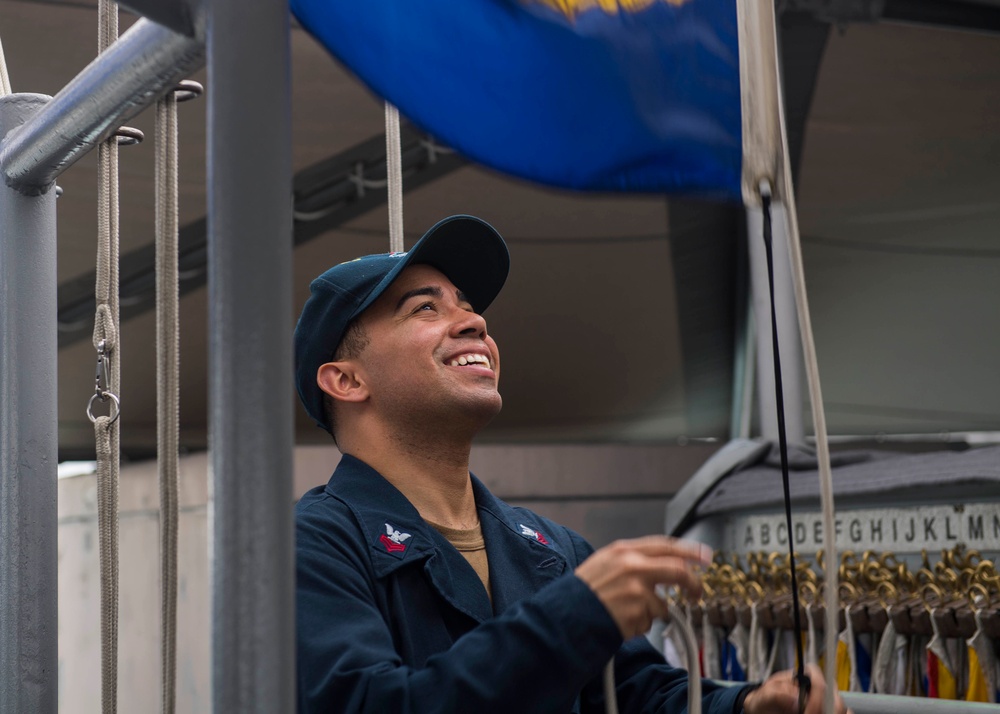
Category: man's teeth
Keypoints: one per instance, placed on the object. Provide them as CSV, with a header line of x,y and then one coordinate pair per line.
x,y
470,359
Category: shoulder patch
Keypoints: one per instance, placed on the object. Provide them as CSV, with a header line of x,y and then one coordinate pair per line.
x,y
533,534
393,541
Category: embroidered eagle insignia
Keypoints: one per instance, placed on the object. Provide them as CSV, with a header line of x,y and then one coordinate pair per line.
x,y
532,533
393,540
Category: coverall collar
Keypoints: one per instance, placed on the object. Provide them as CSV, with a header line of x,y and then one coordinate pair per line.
x,y
522,557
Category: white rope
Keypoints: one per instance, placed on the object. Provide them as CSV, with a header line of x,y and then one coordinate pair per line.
x,y
167,387
811,645
394,176
4,77
819,422
682,616
610,696
107,430
756,658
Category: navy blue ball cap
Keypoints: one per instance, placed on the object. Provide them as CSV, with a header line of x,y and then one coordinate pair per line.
x,y
469,252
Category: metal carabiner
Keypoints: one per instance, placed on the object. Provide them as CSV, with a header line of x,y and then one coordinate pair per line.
x,y
101,380
101,377
115,411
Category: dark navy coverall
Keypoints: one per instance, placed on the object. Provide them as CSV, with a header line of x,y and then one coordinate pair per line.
x,y
391,619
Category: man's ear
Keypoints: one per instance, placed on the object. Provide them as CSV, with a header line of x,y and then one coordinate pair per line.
x,y
342,381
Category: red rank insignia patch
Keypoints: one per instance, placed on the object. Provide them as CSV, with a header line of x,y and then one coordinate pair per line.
x,y
393,540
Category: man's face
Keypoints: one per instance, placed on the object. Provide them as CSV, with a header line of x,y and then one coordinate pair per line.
x,y
428,354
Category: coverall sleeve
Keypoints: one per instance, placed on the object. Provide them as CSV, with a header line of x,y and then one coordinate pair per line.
x,y
535,657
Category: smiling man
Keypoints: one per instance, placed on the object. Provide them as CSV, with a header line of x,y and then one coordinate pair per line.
x,y
418,591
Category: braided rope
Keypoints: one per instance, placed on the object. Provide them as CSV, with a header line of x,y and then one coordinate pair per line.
x,y
394,177
610,693
682,616
107,430
818,416
167,387
4,77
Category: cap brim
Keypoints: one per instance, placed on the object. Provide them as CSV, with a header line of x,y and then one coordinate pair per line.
x,y
469,252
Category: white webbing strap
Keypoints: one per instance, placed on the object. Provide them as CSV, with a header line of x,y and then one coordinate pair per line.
x,y
107,429
167,387
394,178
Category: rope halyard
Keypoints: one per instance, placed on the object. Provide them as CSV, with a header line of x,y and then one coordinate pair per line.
x,y
4,77
107,428
610,694
816,402
394,178
683,617
167,386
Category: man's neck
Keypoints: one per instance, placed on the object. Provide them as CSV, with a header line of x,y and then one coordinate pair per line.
x,y
433,474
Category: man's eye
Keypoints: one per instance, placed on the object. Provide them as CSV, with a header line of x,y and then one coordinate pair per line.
x,y
424,306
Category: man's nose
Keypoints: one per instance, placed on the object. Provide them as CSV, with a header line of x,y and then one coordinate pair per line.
x,y
470,323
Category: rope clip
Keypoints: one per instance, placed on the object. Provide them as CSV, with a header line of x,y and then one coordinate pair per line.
x,y
100,387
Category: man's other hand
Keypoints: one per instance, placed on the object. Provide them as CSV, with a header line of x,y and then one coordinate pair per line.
x,y
624,576
779,694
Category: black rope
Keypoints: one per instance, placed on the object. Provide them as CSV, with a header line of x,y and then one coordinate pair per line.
x,y
800,676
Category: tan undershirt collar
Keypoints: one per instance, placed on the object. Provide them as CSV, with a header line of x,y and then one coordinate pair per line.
x,y
471,544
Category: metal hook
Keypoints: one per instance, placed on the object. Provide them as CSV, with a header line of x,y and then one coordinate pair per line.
x,y
128,136
186,90
848,593
936,591
886,593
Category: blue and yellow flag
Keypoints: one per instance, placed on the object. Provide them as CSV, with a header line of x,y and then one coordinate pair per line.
x,y
633,95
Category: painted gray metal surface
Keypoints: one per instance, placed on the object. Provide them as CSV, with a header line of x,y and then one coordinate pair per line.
x,y
139,68
682,507
789,340
744,369
909,530
250,356
28,439
891,704
866,478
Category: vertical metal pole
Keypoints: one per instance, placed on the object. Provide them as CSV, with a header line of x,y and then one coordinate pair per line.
x,y
28,439
788,327
744,371
744,347
250,361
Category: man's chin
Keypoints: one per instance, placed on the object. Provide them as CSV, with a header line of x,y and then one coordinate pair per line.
x,y
483,411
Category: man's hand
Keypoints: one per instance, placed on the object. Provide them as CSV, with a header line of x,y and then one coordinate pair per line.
x,y
624,576
779,694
